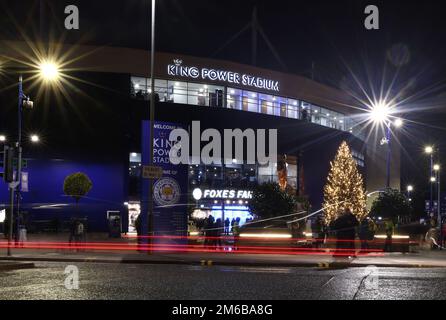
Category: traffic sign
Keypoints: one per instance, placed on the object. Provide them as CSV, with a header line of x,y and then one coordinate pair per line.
x,y
152,172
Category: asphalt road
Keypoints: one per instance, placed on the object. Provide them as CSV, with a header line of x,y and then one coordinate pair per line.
x,y
142,281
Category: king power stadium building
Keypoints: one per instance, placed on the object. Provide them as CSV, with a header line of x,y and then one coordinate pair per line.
x,y
95,121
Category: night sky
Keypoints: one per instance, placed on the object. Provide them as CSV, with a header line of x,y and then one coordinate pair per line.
x,y
330,34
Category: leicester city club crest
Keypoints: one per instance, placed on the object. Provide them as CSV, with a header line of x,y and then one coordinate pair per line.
x,y
166,191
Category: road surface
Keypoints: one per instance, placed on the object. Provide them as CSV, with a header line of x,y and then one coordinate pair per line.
x,y
142,281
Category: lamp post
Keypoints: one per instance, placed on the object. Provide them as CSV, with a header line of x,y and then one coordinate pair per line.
x,y
436,168
48,71
152,119
409,190
14,187
430,151
380,114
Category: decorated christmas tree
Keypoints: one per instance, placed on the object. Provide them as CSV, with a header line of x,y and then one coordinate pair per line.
x,y
344,188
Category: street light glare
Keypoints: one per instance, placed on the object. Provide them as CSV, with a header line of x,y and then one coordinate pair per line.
x,y
398,123
379,112
2,138
429,149
409,188
436,167
49,71
35,138
433,179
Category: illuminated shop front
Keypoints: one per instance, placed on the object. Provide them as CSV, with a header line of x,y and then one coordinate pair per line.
x,y
222,204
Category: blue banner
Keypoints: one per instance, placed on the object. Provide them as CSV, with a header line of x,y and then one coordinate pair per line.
x,y
170,191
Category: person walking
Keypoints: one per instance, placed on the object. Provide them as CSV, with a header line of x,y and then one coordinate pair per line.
x,y
317,230
227,223
79,234
72,229
217,233
390,227
364,234
209,231
236,231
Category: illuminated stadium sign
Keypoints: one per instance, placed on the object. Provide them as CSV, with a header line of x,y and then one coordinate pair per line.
x,y
221,194
179,70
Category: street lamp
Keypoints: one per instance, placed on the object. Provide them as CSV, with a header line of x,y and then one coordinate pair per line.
x,y
409,190
34,138
430,151
380,114
438,174
398,123
2,138
49,71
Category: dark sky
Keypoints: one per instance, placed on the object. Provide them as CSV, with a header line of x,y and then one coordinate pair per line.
x,y
409,44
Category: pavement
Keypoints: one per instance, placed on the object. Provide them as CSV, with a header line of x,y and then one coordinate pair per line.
x,y
15,265
425,259
421,259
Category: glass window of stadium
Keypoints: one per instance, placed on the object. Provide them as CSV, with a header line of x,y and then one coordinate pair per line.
x,y
280,105
161,89
324,117
267,103
139,87
315,114
205,95
177,91
211,95
293,109
305,111
234,99
250,101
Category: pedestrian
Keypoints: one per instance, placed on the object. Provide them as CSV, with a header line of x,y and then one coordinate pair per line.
x,y
389,233
217,233
236,231
317,232
295,231
22,235
364,234
209,231
227,223
72,229
79,234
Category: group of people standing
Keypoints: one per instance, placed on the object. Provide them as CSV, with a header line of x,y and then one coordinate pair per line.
x,y
213,229
346,227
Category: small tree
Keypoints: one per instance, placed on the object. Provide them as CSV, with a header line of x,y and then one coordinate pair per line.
x,y
390,204
344,188
77,185
270,201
